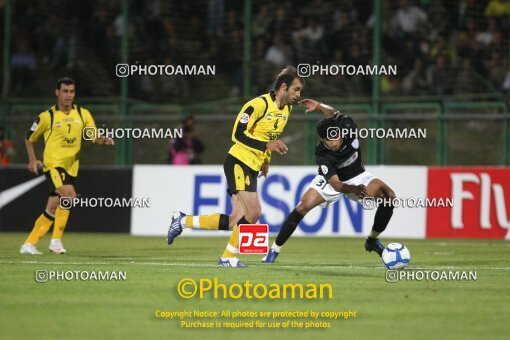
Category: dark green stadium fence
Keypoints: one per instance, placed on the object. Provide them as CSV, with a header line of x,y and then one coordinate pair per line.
x,y
461,130
458,133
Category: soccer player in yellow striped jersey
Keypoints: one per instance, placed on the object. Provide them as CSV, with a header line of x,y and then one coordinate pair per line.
x,y
61,126
255,135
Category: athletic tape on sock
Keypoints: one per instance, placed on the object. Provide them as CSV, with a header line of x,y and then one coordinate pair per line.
x,y
232,249
196,222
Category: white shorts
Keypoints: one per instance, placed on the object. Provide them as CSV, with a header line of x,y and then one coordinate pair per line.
x,y
325,189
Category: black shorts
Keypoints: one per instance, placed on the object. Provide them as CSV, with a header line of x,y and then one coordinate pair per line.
x,y
240,177
56,178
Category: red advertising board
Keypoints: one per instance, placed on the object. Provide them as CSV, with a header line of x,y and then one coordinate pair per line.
x,y
481,202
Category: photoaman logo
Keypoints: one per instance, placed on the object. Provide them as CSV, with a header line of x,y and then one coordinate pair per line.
x,y
253,239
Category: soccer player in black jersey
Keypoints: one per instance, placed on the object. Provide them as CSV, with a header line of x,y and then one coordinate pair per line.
x,y
341,172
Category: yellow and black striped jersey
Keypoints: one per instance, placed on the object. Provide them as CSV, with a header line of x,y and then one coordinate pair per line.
x,y
258,122
62,136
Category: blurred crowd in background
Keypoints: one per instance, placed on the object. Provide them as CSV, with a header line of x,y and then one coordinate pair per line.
x,y
440,47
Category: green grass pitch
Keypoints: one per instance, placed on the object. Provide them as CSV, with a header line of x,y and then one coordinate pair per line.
x,y
126,309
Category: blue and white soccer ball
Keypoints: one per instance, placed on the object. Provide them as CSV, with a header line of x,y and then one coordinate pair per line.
x,y
396,256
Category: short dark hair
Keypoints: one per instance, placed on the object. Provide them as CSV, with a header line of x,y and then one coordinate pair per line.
x,y
64,80
324,124
188,124
287,75
188,119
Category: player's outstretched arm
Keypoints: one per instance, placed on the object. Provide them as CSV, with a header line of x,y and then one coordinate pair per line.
x,y
277,146
33,162
359,190
313,105
90,124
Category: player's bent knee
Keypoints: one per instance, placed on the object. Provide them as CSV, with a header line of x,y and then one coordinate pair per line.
x,y
66,193
232,220
52,205
388,193
254,215
254,218
303,209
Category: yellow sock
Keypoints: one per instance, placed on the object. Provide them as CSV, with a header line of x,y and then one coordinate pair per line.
x,y
209,222
233,244
41,227
61,216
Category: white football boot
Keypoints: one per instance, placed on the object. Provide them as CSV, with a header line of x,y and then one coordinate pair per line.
x,y
30,249
56,246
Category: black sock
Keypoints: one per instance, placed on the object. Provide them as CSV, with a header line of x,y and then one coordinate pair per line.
x,y
288,227
382,218
223,222
243,220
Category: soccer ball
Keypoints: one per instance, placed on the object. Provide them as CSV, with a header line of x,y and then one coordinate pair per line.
x,y
396,256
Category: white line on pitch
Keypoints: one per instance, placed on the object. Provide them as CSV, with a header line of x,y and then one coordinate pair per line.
x,y
204,265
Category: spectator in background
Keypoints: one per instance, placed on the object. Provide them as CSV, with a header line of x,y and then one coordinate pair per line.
x,y
439,76
309,41
506,82
83,36
438,18
279,54
232,47
470,27
318,8
262,22
409,19
65,48
215,16
6,148
351,85
24,65
496,68
176,86
497,8
340,36
98,34
416,81
466,48
390,85
280,22
234,23
408,53
339,82
466,81
192,41
468,9
440,47
148,84
186,150
358,84
261,69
